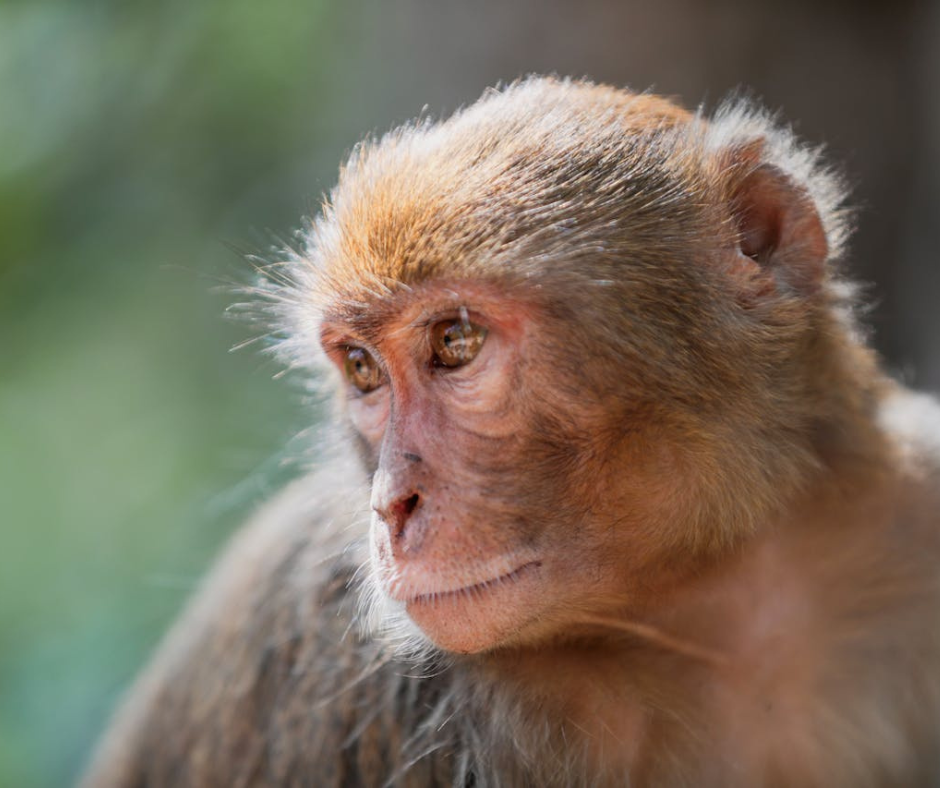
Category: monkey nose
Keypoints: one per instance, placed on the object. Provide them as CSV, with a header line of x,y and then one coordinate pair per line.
x,y
397,513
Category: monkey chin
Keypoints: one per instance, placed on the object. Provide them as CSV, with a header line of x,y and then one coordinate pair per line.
x,y
480,617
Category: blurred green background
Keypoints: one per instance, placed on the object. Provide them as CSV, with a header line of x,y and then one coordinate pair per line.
x,y
139,142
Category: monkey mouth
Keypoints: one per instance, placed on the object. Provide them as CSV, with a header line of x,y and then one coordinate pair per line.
x,y
474,590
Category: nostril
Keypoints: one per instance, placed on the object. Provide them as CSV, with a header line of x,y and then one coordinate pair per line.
x,y
401,510
410,504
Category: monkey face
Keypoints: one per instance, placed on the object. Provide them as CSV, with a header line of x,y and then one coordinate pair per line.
x,y
476,469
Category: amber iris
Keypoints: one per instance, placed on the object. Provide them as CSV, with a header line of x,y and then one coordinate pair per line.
x,y
456,342
361,369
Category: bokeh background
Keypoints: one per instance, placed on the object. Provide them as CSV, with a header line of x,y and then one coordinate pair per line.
x,y
144,146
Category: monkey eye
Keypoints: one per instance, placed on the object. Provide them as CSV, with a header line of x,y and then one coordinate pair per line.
x,y
361,369
456,342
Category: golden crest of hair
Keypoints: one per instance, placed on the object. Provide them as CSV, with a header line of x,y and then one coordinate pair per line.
x,y
532,179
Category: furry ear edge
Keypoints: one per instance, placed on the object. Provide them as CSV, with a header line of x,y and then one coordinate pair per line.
x,y
786,205
777,222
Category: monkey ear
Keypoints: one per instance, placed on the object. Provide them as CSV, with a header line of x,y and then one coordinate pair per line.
x,y
778,225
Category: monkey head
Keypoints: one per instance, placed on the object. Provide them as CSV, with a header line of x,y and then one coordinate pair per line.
x,y
536,312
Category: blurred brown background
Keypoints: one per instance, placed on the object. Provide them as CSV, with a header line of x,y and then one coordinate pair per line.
x,y
138,141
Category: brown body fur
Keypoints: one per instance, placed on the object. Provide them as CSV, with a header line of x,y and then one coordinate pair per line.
x,y
748,513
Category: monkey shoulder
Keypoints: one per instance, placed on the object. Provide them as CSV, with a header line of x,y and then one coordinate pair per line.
x,y
266,679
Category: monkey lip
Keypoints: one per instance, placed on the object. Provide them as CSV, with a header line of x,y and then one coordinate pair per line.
x,y
473,590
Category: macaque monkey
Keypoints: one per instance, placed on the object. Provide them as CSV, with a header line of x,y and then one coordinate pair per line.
x,y
621,498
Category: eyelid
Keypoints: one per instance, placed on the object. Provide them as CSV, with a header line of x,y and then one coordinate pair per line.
x,y
336,345
456,314
451,311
